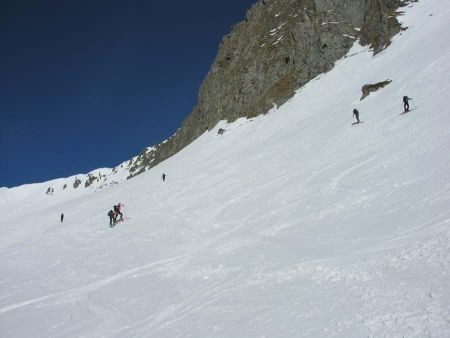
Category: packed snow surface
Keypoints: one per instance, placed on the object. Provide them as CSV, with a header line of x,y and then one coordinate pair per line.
x,y
293,224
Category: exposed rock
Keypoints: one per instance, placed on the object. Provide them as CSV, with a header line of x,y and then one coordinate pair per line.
x,y
279,47
91,179
77,183
220,131
370,88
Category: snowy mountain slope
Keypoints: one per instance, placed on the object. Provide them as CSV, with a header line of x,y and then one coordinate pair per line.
x,y
294,224
70,187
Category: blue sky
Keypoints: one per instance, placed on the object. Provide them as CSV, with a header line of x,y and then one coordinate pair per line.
x,y
86,84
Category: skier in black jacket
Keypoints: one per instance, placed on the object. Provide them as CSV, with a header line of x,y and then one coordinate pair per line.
x,y
356,114
406,100
111,218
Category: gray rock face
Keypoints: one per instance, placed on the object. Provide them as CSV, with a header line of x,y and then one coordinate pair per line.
x,y
279,47
370,88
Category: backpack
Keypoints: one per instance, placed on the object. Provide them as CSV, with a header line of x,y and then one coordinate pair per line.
x,y
110,213
405,98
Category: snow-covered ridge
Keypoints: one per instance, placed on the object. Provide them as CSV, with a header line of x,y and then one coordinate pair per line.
x,y
73,186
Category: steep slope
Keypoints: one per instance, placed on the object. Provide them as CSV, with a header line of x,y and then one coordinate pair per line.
x,y
291,224
280,46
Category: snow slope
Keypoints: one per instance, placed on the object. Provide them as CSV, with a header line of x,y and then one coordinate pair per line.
x,y
293,224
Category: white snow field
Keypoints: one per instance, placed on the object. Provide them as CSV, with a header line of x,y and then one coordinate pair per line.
x,y
293,224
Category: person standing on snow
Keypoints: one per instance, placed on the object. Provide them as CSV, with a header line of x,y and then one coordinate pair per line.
x,y
117,212
163,177
356,114
62,217
111,218
406,100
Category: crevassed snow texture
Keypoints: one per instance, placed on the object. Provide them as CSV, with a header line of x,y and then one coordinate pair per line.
x,y
294,224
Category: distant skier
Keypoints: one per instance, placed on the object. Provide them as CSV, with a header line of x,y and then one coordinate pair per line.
x,y
356,114
163,177
117,212
111,215
62,217
406,100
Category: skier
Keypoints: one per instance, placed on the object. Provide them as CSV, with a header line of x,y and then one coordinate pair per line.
x,y
112,221
356,114
62,217
163,177
117,212
406,100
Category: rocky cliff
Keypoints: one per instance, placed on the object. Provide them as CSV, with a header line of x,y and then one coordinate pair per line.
x,y
279,47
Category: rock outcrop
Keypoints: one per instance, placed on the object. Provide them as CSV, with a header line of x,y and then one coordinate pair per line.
x,y
373,87
279,47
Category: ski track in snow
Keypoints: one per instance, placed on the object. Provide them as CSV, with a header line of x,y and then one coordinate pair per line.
x,y
292,224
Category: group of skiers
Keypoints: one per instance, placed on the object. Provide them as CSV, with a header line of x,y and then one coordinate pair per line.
x,y
113,213
117,210
406,100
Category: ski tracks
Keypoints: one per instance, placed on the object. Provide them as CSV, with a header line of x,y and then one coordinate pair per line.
x,y
75,294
